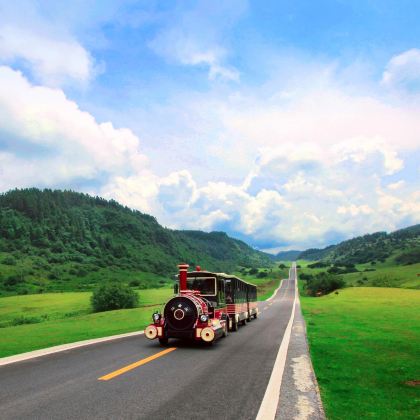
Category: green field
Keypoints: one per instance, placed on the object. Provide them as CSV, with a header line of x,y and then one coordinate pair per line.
x,y
266,285
386,274
31,322
364,344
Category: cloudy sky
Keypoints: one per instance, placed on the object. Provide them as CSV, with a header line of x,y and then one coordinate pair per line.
x,y
289,124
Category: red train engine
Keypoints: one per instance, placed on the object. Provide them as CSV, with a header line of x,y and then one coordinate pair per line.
x,y
207,305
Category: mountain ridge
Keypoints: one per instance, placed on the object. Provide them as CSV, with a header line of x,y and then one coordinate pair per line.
x,y
51,235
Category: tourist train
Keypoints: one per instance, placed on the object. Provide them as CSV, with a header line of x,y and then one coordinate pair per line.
x,y
206,306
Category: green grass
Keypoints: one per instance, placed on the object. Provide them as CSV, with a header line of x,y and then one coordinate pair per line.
x,y
31,322
25,338
364,344
57,318
386,274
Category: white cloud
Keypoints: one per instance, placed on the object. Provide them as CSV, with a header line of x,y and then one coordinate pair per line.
x,y
46,139
195,37
396,185
52,61
403,69
292,172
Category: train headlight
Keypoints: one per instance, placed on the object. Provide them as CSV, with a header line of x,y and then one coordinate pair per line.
x,y
156,317
204,318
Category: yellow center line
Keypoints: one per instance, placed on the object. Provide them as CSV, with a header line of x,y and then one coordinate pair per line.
x,y
135,364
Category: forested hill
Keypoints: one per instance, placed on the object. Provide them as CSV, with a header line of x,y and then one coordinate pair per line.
x,y
78,233
404,244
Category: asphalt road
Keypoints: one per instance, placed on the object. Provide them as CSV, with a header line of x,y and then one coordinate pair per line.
x,y
225,381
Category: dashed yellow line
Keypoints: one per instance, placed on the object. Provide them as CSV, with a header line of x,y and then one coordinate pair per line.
x,y
135,364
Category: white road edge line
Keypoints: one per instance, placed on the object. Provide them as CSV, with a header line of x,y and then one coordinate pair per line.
x,y
63,347
268,407
274,293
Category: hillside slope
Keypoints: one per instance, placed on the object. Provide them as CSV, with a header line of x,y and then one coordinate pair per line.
x,y
403,245
48,238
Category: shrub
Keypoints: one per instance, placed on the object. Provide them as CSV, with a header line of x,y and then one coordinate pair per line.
x,y
305,276
282,266
13,280
253,271
9,260
407,258
22,320
134,283
319,264
323,283
261,274
110,296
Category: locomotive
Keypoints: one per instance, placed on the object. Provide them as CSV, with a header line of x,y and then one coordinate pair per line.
x,y
206,306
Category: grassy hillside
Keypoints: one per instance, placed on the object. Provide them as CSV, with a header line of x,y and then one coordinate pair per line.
x,y
364,345
62,240
381,274
404,244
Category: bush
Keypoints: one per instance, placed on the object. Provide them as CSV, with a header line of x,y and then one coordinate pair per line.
x,y
134,283
282,266
253,271
323,283
262,274
110,296
305,276
319,264
22,320
14,279
9,260
407,258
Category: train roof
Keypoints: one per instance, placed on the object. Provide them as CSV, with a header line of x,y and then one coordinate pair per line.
x,y
227,276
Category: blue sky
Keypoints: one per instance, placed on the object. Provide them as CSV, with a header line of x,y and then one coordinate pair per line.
x,y
287,124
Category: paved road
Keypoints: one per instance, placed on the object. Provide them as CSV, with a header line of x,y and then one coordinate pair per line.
x,y
225,381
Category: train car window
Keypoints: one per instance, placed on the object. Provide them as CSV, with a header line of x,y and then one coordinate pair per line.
x,y
220,291
228,291
206,285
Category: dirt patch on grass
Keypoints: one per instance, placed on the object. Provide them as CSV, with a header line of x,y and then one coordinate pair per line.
x,y
412,383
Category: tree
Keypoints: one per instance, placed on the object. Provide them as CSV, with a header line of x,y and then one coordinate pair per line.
x,y
323,283
110,296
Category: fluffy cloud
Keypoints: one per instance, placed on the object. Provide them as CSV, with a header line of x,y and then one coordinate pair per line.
x,y
306,168
316,166
403,70
52,61
46,139
195,37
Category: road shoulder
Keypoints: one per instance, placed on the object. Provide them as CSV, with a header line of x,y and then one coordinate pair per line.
x,y
299,392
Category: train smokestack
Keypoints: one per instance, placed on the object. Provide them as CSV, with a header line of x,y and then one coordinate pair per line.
x,y
183,269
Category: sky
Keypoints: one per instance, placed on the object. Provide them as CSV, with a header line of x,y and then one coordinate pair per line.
x,y
288,124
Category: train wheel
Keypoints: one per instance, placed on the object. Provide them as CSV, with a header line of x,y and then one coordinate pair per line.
x,y
163,341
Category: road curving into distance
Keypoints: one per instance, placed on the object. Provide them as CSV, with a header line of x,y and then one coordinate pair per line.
x,y
134,378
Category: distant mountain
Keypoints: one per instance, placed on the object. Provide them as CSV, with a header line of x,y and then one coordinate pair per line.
x,y
291,255
57,236
372,247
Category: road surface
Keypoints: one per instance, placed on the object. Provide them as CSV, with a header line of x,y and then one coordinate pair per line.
x,y
225,381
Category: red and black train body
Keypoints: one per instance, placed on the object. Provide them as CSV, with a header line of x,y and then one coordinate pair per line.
x,y
206,306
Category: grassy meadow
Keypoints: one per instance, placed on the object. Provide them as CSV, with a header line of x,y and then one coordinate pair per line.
x,y
34,321
385,274
31,322
364,344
